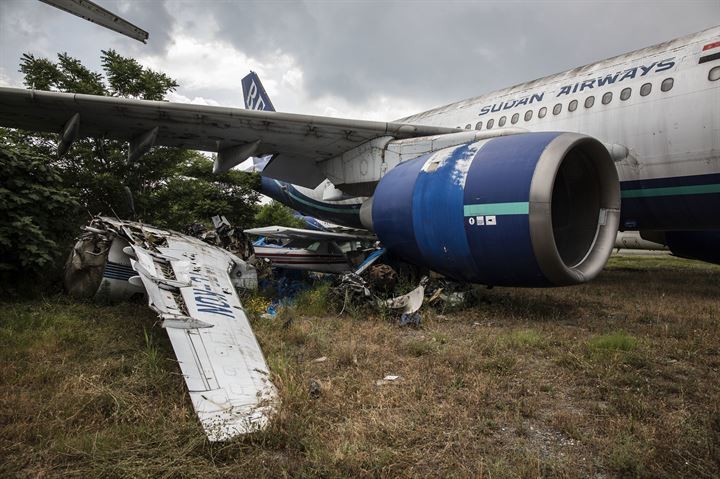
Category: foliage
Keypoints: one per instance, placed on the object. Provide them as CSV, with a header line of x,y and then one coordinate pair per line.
x,y
168,187
34,208
277,214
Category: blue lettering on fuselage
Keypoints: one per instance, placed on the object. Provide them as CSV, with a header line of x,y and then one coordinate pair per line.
x,y
609,79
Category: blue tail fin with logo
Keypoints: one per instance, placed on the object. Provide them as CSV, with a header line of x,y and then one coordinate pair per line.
x,y
256,98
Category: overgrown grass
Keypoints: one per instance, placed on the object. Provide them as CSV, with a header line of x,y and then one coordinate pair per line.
x,y
617,378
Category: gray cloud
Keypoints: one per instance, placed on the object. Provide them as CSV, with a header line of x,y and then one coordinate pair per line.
x,y
425,52
444,51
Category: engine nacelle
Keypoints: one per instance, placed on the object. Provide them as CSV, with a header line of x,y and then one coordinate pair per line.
x,y
533,209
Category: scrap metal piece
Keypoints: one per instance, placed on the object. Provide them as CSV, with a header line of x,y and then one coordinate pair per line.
x,y
189,284
410,302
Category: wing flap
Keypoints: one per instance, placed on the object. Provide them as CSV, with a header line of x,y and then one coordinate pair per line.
x,y
189,286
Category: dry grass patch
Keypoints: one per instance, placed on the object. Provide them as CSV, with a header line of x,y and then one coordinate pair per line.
x,y
617,378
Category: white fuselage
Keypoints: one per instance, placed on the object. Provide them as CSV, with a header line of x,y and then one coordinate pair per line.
x,y
668,133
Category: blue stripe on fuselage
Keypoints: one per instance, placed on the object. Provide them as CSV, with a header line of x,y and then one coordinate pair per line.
x,y
674,203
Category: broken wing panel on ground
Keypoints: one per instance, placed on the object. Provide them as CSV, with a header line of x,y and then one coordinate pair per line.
x,y
188,284
297,142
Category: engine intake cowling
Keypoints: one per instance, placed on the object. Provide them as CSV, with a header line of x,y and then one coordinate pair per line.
x,y
533,209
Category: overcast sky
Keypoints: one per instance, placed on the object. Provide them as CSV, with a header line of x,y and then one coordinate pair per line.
x,y
373,59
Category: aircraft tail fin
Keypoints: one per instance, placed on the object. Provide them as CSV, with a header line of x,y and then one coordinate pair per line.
x,y
256,98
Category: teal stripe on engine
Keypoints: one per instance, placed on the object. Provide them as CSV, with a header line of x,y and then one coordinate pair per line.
x,y
516,208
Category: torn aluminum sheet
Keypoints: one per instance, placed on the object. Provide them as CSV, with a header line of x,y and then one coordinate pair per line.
x,y
191,285
410,302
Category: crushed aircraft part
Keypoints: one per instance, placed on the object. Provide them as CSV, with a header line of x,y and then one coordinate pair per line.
x,y
410,302
224,235
382,277
191,285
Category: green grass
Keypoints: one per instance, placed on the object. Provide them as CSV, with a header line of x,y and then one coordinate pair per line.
x,y
617,341
617,378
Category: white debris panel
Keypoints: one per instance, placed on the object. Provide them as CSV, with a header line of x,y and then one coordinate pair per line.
x,y
190,284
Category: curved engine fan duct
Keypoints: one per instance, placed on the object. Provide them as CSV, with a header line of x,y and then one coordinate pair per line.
x,y
533,209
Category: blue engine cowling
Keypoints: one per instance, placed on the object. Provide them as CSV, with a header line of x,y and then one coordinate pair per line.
x,y
533,209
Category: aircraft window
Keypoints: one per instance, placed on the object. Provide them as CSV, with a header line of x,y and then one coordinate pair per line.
x,y
645,89
557,109
589,101
625,94
528,115
714,74
542,112
478,125
572,106
515,118
490,123
667,84
502,121
315,247
607,98
468,126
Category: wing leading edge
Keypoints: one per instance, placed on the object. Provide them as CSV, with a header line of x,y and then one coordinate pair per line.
x,y
297,142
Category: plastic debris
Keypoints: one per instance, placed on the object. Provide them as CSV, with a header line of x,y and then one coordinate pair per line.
x,y
314,389
321,359
388,379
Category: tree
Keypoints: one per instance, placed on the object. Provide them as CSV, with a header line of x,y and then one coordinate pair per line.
x,y
34,207
277,214
169,187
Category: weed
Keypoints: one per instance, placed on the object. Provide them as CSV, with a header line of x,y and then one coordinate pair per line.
x,y
617,341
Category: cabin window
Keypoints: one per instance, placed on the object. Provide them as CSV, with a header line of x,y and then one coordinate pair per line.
x,y
667,84
528,115
572,106
515,118
557,109
589,101
607,98
714,74
478,125
490,124
468,126
502,121
625,94
645,89
542,112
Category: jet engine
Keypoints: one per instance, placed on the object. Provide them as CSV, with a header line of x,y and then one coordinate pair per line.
x,y
532,209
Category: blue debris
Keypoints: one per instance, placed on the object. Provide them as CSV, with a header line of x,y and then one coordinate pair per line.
x,y
410,319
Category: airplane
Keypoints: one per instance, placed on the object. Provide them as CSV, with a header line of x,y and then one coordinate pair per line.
x,y
310,250
525,186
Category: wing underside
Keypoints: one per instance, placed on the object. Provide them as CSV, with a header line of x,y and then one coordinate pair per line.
x,y
297,142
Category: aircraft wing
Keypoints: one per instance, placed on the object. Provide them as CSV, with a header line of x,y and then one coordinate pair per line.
x,y
297,233
188,284
296,141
